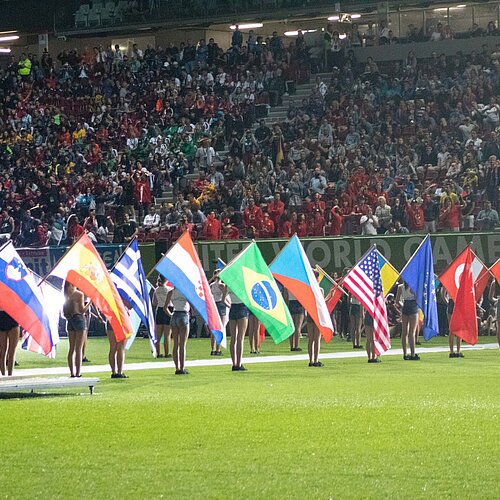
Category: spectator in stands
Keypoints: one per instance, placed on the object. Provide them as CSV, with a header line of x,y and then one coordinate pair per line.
x,y
151,222
488,218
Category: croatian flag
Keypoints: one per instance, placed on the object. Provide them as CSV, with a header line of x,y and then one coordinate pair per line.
x,y
182,267
21,299
130,280
293,270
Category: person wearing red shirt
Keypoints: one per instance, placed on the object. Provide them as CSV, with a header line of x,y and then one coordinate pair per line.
x,y
252,217
317,205
361,208
64,138
276,209
450,215
75,229
301,226
346,202
212,227
286,230
143,196
336,221
266,229
229,231
317,225
415,213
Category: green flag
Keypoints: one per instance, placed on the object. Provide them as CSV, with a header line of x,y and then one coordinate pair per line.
x,y
249,278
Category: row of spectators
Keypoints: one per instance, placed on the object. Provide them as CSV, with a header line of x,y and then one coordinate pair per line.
x,y
88,143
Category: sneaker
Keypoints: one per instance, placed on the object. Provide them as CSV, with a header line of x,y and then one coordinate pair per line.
x,y
121,375
168,355
319,364
312,364
374,360
241,368
16,363
298,349
459,355
415,357
179,372
218,353
114,375
212,353
185,372
85,360
406,357
452,355
161,356
235,368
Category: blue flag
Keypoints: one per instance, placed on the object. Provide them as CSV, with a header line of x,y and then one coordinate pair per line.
x,y
419,275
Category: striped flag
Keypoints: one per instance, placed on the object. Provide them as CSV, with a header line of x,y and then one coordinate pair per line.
x,y
130,281
364,282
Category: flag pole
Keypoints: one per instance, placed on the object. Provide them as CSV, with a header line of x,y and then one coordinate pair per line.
x,y
338,286
62,257
414,253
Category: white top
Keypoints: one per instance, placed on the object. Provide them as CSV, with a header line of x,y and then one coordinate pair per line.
x,y
215,287
161,295
234,298
179,302
407,293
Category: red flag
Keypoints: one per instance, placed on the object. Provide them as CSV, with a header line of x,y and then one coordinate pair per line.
x,y
451,276
463,322
262,333
336,293
495,270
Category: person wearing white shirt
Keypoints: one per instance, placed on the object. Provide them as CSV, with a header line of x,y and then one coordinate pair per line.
x,y
369,223
219,291
162,317
238,325
180,328
151,221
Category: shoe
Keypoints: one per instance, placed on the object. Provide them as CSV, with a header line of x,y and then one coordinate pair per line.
x,y
418,343
185,372
179,372
452,355
114,375
406,357
415,357
218,353
86,360
374,360
212,353
16,363
312,364
168,355
459,355
298,349
161,356
121,375
357,347
253,352
235,369
319,364
241,368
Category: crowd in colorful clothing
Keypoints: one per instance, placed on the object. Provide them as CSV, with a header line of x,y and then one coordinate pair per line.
x,y
90,140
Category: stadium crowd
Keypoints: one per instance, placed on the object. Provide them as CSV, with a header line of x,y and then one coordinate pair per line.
x,y
90,140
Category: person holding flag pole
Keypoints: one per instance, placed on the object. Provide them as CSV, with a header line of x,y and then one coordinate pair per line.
x,y
9,338
163,317
219,290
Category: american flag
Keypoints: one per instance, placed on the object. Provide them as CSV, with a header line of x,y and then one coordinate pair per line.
x,y
364,282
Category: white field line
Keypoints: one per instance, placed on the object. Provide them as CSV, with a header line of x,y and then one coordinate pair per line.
x,y
153,365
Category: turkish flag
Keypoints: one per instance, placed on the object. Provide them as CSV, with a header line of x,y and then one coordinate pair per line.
x,y
463,322
451,276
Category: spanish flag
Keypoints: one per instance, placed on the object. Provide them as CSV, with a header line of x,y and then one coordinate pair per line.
x,y
83,267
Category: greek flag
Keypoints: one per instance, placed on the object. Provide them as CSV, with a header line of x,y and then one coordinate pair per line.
x,y
130,280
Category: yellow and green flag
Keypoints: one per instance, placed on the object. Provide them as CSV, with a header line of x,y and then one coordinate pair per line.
x,y
388,274
249,278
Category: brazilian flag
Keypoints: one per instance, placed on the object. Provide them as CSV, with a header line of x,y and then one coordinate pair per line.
x,y
249,278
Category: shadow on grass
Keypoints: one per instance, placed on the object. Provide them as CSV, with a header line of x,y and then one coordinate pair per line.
x,y
37,395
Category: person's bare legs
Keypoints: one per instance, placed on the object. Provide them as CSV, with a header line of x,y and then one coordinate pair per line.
x,y
112,351
298,321
3,353
12,341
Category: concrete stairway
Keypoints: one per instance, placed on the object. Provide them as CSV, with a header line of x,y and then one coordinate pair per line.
x,y
276,115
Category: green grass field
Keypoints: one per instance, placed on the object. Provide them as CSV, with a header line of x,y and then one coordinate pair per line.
x,y
281,430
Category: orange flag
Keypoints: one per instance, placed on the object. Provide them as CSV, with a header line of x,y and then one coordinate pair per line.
x,y
463,322
83,267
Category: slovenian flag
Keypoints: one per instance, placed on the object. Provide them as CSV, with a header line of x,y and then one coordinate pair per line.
x,y
182,267
292,269
21,299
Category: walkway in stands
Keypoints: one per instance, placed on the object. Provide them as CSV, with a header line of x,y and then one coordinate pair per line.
x,y
153,365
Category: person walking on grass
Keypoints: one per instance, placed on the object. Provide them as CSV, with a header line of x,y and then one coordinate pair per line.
x,y
238,325
409,318
219,290
163,318
9,338
74,310
180,328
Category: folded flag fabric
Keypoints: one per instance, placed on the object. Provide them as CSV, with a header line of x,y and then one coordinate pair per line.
x,y
182,267
83,267
292,269
419,275
22,300
249,278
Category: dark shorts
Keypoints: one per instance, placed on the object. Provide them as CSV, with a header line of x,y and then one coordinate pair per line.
x,y
6,322
410,307
76,323
221,308
238,311
295,307
355,309
162,318
450,306
180,318
368,319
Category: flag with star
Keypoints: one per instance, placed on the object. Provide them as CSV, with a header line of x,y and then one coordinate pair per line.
x,y
365,283
249,278
419,275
